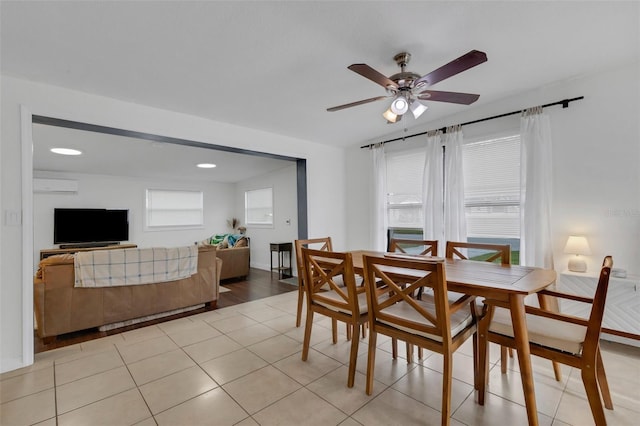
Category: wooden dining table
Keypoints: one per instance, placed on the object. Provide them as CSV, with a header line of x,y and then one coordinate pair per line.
x,y
508,283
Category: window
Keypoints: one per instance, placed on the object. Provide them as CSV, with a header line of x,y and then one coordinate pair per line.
x,y
492,191
258,207
404,189
174,209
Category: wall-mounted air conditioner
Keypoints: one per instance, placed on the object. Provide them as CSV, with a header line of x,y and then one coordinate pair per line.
x,y
55,185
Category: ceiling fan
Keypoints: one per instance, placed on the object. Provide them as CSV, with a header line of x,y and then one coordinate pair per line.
x,y
408,89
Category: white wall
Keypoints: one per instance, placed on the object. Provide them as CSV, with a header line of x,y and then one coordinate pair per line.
x,y
285,201
324,188
114,192
596,152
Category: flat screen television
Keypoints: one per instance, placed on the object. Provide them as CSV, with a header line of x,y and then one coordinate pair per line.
x,y
90,226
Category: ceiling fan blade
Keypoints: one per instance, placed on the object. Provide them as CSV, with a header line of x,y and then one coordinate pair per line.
x,y
352,104
453,97
367,72
463,63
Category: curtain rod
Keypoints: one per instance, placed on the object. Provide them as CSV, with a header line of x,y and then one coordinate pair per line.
x,y
564,103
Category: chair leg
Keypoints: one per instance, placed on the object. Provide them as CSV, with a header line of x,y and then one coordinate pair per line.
x,y
364,330
300,302
482,376
602,381
447,373
334,330
557,371
419,352
371,361
349,333
593,395
307,334
503,359
353,356
394,348
409,347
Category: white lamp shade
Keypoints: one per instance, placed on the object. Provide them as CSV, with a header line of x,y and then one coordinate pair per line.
x,y
390,116
577,245
417,109
400,105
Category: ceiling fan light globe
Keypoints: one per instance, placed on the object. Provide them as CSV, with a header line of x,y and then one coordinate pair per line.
x,y
417,109
399,105
390,116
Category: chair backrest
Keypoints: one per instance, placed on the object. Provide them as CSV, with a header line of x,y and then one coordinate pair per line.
x,y
389,281
425,247
314,243
490,252
330,273
597,308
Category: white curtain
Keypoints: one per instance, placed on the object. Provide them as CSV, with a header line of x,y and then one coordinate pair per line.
x,y
379,217
455,222
535,187
432,186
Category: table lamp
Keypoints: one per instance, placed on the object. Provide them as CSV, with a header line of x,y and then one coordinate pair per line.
x,y
577,245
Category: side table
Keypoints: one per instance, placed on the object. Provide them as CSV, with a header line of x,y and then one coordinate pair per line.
x,y
282,249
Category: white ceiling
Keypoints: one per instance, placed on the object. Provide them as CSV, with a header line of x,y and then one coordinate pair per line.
x,y
277,66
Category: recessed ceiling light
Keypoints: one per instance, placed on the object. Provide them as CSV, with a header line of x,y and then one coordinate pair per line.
x,y
66,151
206,165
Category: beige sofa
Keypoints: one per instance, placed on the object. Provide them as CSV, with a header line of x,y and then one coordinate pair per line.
x,y
62,308
235,262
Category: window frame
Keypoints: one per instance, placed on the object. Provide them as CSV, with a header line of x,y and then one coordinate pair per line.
x,y
248,220
149,210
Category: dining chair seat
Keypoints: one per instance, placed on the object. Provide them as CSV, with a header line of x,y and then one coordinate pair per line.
x,y
333,296
460,320
549,332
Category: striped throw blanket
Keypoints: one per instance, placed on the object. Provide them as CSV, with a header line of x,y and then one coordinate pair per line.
x,y
107,268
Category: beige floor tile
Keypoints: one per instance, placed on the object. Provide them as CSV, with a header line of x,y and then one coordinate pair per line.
x,y
509,386
149,421
252,334
333,388
196,332
318,334
211,348
22,411
37,365
141,334
425,385
394,408
248,422
387,370
26,384
261,388
282,324
49,422
276,348
87,366
495,411
350,422
462,366
158,366
103,343
124,408
233,365
145,349
93,388
265,314
301,407
225,325
305,372
54,354
213,407
176,325
340,351
176,388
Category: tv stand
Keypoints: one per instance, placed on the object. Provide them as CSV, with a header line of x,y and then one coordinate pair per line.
x,y
88,245
50,252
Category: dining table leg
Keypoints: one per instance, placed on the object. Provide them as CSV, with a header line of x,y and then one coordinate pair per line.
x,y
521,337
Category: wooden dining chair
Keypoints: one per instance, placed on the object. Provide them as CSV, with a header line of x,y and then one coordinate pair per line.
x,y
420,247
561,338
433,323
413,247
314,243
326,295
489,253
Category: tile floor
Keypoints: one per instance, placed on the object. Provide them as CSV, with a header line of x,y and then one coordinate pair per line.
x,y
241,366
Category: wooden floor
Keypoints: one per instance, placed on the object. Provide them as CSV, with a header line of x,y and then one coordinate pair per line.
x,y
257,285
